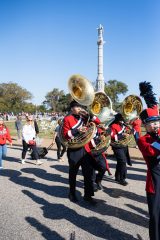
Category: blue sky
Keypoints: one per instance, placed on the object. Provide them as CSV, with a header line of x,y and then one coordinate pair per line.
x,y
44,42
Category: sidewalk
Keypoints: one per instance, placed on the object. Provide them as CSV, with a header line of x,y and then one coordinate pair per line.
x,y
34,203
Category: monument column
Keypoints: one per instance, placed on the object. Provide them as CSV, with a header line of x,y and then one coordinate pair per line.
x,y
100,78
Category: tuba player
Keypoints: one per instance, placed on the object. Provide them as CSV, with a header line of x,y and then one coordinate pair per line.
x,y
118,132
73,125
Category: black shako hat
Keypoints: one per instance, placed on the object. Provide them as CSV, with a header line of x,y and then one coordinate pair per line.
x,y
74,104
118,117
151,113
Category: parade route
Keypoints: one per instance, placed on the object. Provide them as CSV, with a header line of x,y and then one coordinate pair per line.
x,y
34,202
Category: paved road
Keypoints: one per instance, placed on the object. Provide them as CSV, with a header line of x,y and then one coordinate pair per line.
x,y
34,203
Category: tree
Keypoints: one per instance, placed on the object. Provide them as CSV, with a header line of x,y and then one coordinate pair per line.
x,y
52,98
41,108
56,100
113,89
29,108
64,102
13,97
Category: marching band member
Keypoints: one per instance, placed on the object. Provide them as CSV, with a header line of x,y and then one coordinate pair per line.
x,y
99,161
73,124
118,131
149,145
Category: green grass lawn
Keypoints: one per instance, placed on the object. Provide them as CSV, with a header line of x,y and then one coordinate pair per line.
x,y
44,133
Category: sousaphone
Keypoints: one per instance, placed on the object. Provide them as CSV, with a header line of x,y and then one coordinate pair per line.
x,y
131,108
82,92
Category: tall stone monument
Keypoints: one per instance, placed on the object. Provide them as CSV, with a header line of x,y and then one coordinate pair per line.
x,y
100,43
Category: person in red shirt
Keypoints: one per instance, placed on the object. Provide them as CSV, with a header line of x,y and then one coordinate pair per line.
x,y
149,145
4,136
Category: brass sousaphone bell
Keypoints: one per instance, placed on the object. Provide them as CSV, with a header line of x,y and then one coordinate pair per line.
x,y
102,107
81,90
131,108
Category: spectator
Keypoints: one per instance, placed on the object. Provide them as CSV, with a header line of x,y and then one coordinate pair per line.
x,y
18,126
28,140
7,117
35,124
4,136
60,152
36,127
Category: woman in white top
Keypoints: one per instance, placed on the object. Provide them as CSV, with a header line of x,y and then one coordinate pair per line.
x,y
28,140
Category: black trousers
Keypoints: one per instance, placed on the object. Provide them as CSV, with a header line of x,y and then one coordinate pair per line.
x,y
76,158
59,145
122,157
25,148
99,164
153,201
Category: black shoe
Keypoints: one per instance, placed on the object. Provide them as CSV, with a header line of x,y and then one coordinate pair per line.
x,y
99,186
139,237
123,182
90,200
117,179
95,189
72,197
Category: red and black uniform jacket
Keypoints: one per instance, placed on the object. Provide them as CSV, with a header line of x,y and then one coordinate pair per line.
x,y
136,124
149,145
71,125
4,135
117,131
95,140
